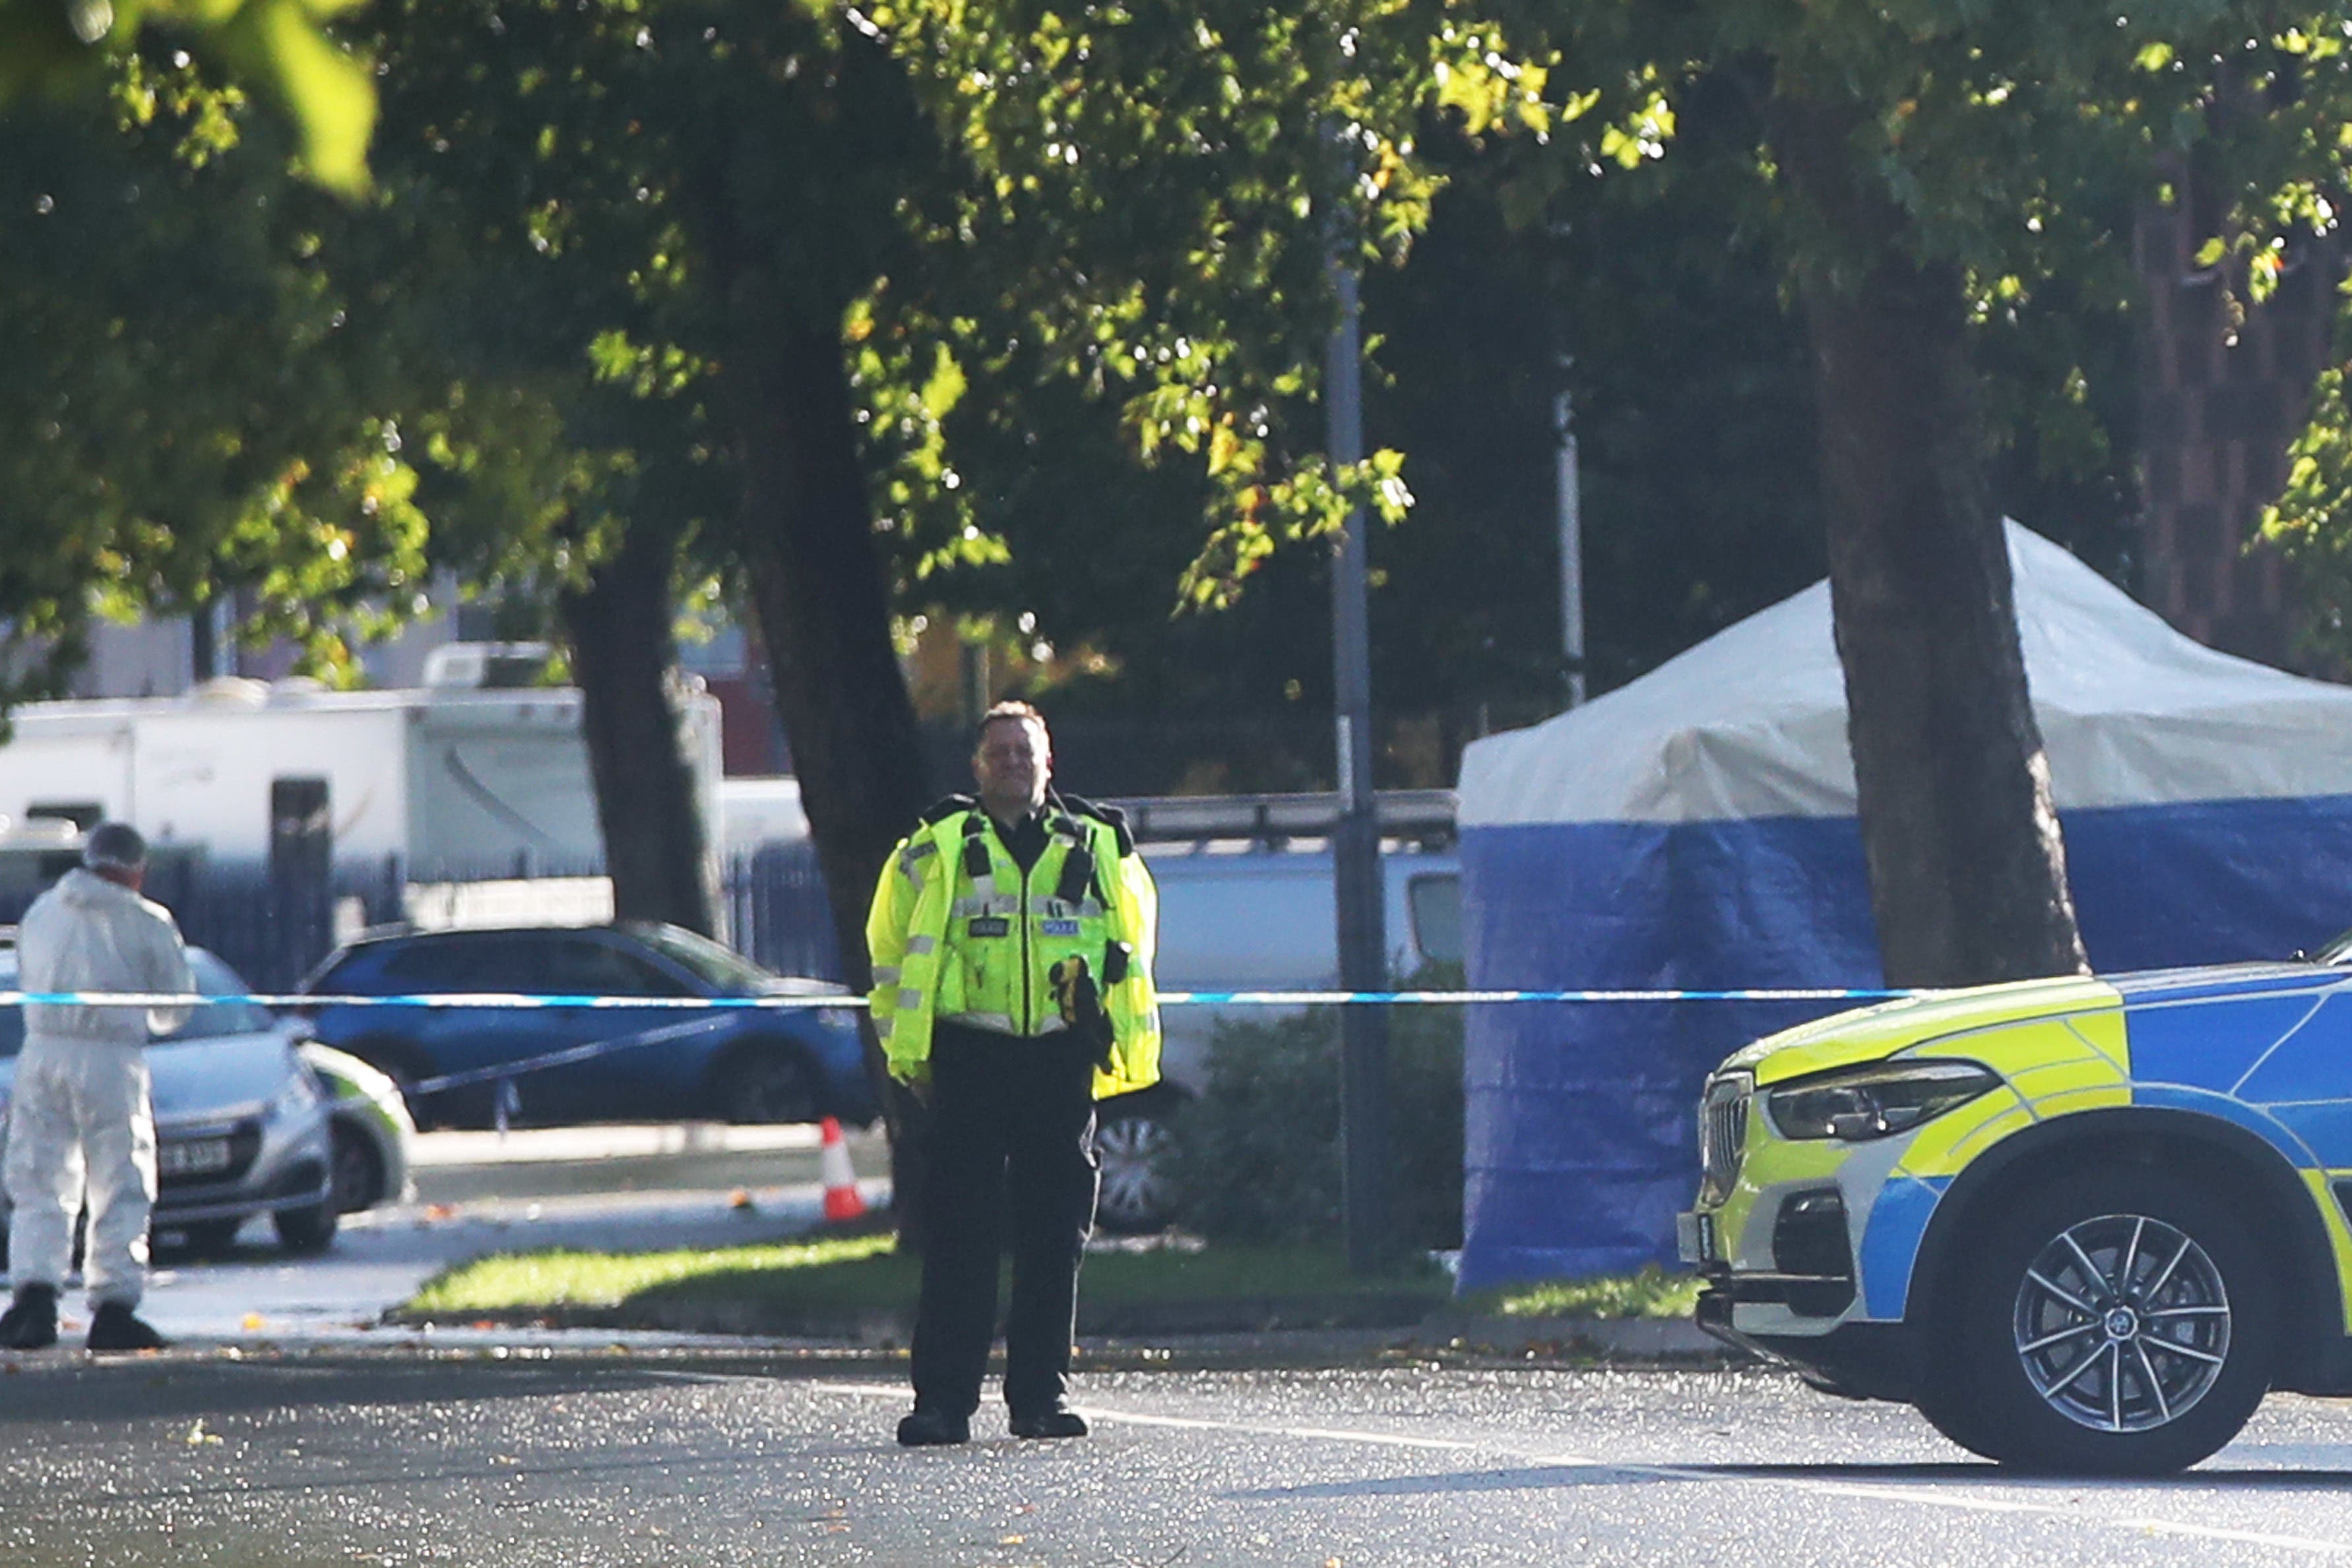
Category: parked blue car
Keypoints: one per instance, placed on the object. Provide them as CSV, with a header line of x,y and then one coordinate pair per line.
x,y
736,1064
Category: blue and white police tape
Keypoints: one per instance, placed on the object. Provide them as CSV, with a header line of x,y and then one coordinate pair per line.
x,y
168,1000
503,1075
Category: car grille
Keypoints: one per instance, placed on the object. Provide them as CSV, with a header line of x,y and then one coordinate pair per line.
x,y
1723,1132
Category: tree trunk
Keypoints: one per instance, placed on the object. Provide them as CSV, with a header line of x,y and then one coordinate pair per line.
x,y
1967,869
657,848
824,612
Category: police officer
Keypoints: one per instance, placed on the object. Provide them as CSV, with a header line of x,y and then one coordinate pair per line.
x,y
1011,939
80,1125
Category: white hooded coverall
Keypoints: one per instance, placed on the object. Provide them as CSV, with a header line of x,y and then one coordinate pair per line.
x,y
80,1114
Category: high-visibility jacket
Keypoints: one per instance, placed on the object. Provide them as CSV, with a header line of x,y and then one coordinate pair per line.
x,y
958,932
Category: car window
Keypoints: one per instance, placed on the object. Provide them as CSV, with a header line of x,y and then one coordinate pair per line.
x,y
721,965
1436,905
208,1021
392,968
491,961
214,978
582,967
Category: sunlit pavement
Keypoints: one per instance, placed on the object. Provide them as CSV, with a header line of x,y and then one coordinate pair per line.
x,y
523,1458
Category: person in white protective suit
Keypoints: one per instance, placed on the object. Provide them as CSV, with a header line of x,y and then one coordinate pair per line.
x,y
80,1122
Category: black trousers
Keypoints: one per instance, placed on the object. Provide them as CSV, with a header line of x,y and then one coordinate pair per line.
x,y
1011,1135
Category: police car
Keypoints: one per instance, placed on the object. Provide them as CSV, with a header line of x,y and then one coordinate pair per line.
x,y
2084,1225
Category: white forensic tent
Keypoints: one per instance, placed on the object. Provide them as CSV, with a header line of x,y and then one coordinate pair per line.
x,y
1693,830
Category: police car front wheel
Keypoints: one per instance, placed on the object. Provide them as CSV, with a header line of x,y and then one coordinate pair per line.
x,y
2118,1322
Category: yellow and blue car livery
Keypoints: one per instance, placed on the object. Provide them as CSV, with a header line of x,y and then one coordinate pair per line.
x,y
1853,1167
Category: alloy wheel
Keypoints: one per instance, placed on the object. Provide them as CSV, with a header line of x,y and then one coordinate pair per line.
x,y
2122,1323
1136,1192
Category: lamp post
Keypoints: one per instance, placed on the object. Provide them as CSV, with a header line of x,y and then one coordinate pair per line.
x,y
1572,540
1355,844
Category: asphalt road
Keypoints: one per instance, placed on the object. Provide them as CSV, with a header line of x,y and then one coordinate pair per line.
x,y
289,1429
595,1460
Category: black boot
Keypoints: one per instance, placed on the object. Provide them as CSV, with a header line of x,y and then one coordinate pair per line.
x,y
933,1428
1060,1421
31,1321
114,1326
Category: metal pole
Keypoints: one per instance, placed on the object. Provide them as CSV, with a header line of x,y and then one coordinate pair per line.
x,y
1571,542
1356,846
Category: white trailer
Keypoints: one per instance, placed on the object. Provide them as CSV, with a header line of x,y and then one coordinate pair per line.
x,y
457,782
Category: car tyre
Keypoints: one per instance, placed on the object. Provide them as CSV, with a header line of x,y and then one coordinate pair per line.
x,y
1138,1194
767,1084
356,1173
307,1230
2120,1322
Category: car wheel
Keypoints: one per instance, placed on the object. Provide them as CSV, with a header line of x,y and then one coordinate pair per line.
x,y
1137,1195
305,1230
767,1084
357,1173
2119,1323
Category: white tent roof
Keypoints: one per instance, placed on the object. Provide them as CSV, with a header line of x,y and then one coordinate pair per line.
x,y
1751,722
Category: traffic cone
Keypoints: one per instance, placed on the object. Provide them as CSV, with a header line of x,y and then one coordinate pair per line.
x,y
842,1202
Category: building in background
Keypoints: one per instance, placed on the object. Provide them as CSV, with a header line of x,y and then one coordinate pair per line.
x,y
2224,388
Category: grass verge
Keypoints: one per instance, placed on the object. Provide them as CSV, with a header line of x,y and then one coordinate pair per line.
x,y
859,1272
1650,1293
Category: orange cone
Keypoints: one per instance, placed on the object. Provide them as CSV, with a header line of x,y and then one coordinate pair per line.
x,y
842,1202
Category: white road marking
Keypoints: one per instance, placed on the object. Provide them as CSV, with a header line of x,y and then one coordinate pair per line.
x,y
2068,1511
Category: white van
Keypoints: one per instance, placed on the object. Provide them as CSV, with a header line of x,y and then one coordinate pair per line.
x,y
1235,916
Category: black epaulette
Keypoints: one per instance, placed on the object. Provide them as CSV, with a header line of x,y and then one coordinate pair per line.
x,y
949,808
1111,815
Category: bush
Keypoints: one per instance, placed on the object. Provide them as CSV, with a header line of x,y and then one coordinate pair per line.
x,y
1256,1157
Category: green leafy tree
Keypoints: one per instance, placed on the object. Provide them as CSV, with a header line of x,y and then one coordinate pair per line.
x,y
183,412
63,48
1929,167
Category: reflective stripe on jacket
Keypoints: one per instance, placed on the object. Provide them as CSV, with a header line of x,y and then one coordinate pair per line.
x,y
958,931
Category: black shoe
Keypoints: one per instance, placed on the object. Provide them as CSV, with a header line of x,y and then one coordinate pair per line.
x,y
116,1327
933,1429
31,1321
1058,1422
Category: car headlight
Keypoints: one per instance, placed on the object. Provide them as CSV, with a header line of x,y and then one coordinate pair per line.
x,y
1877,1101
300,1095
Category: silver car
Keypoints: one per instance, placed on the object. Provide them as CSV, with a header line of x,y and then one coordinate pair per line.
x,y
241,1120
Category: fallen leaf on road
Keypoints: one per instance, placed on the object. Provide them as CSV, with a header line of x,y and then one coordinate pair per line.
x,y
253,1320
